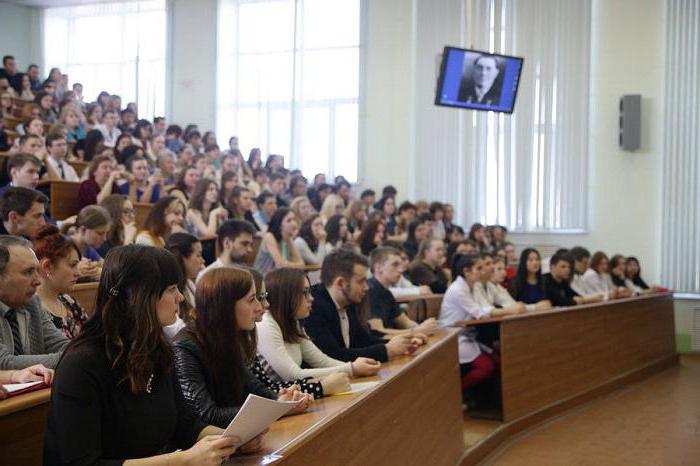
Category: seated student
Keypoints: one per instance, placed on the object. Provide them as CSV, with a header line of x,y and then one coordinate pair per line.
x,y
24,171
166,217
234,240
277,248
267,204
477,233
22,212
426,268
464,246
417,232
487,294
498,277
102,181
282,340
187,250
633,273
27,335
311,242
332,205
302,208
116,396
36,373
404,287
406,215
58,271
386,317
556,283
92,225
108,128
185,184
625,288
459,306
337,382
337,232
239,204
205,213
140,187
581,258
337,324
277,187
528,284
597,279
437,210
122,229
57,148
71,120
213,352
372,235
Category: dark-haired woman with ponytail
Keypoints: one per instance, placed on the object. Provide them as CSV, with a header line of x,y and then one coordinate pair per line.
x,y
116,398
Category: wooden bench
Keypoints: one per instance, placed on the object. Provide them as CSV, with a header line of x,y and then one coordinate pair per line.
x,y
64,197
422,307
86,295
11,123
417,396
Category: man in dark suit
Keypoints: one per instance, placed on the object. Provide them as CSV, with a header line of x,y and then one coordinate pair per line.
x,y
483,86
337,324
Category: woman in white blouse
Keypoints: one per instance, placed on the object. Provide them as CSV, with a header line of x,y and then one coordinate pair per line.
x,y
597,279
282,340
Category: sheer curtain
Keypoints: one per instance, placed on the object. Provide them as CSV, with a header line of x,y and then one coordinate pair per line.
x,y
680,232
288,80
113,47
527,170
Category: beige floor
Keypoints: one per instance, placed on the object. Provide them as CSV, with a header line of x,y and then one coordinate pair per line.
x,y
656,422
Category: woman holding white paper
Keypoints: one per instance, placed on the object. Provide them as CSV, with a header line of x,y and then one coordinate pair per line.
x,y
283,341
115,398
213,351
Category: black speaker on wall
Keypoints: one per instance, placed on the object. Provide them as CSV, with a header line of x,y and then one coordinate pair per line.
x,y
630,137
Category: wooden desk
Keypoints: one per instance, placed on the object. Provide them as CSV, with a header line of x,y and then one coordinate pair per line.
x,y
63,196
22,426
86,295
551,357
422,307
79,166
413,417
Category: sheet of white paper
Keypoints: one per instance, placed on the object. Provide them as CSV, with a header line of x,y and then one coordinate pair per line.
x,y
15,387
255,415
360,387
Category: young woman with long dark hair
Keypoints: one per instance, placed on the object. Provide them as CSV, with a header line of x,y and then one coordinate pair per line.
x,y
116,395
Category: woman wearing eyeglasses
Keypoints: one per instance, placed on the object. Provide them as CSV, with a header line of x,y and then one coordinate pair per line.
x,y
123,227
283,342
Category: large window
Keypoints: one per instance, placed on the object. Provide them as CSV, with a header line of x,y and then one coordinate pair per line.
x,y
113,47
288,80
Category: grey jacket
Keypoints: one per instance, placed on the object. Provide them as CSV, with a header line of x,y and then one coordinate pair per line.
x,y
41,340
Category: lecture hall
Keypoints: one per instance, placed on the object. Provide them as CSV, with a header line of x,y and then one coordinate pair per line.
x,y
350,232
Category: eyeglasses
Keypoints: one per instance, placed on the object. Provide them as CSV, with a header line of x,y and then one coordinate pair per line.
x,y
129,211
262,297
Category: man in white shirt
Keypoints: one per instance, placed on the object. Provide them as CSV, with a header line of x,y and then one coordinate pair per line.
x,y
235,241
58,148
109,129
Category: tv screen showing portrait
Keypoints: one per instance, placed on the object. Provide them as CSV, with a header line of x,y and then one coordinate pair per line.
x,y
478,80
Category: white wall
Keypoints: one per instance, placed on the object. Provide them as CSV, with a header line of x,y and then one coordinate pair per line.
x,y
20,34
627,57
192,71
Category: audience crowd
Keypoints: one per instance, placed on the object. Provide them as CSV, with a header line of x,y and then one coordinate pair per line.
x,y
176,342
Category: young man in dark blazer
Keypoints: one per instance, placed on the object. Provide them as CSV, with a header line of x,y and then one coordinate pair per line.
x,y
338,321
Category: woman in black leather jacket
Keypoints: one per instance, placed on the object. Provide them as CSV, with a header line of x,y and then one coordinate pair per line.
x,y
211,353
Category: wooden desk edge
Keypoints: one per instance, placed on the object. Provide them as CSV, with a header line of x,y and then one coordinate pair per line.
x,y
421,297
559,310
24,401
308,434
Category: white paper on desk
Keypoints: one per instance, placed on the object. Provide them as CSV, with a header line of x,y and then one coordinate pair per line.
x,y
15,387
360,387
256,414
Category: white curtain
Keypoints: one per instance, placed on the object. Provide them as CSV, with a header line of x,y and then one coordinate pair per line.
x,y
527,170
680,251
288,80
113,47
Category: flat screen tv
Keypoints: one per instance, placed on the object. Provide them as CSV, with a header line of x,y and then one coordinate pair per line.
x,y
478,80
